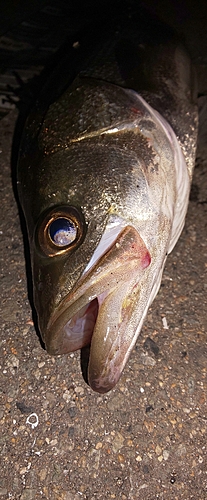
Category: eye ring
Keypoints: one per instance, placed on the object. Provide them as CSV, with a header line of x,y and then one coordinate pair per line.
x,y
60,230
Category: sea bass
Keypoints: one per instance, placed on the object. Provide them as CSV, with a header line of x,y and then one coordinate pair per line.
x,y
104,175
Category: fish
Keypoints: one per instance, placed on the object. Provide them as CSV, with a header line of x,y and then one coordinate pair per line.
x,y
104,173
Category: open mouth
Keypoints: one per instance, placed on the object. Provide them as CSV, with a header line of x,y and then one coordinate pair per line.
x,y
79,329
99,310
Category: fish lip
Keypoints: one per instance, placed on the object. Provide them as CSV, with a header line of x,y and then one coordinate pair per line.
x,y
111,276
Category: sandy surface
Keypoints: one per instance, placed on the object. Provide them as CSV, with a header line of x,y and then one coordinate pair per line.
x,y
146,439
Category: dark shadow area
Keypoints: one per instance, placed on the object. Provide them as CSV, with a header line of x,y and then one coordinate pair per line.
x,y
84,360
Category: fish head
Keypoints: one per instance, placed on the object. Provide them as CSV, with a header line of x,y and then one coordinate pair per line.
x,y
84,187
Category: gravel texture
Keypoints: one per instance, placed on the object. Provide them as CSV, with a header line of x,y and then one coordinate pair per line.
x,y
144,440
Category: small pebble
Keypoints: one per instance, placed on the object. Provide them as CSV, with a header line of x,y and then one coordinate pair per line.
x,y
99,445
28,494
166,454
158,450
117,442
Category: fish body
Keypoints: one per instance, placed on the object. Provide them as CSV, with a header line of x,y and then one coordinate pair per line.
x,y
104,176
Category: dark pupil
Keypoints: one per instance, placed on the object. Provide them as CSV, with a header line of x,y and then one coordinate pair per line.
x,y
62,231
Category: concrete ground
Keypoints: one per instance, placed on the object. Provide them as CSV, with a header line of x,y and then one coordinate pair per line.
x,y
146,439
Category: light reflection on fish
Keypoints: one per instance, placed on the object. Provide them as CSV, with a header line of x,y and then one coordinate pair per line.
x,y
104,184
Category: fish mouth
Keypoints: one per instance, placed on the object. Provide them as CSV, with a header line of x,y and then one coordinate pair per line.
x,y
100,311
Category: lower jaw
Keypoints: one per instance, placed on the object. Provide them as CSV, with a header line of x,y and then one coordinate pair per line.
x,y
88,328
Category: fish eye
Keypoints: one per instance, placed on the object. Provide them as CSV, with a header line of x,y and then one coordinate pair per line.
x,y
60,230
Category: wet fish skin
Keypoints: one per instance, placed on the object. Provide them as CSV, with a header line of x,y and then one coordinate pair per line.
x,y
104,150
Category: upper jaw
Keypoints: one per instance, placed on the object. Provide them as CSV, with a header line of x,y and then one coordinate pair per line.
x,y
98,310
